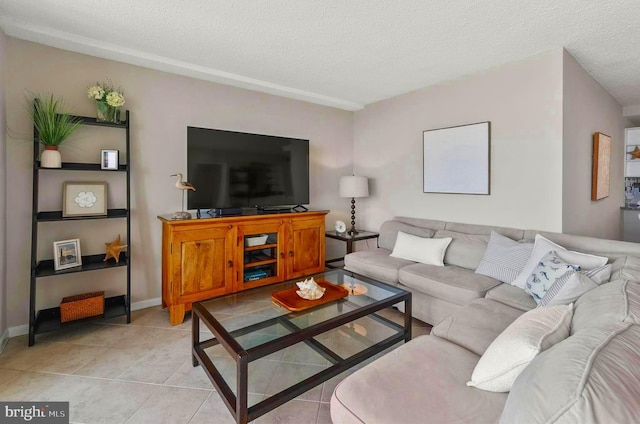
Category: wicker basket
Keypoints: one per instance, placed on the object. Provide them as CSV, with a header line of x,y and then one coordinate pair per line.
x,y
82,306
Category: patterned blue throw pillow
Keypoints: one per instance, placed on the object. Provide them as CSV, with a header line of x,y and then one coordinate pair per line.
x,y
545,274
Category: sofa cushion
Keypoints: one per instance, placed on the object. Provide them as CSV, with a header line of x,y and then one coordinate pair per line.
x,y
504,258
626,268
617,301
421,381
465,250
512,296
542,246
376,264
389,232
476,325
455,284
512,233
597,246
425,250
510,353
591,377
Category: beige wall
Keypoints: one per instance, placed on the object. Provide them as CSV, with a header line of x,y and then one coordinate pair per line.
x,y
162,106
588,108
523,101
532,105
3,248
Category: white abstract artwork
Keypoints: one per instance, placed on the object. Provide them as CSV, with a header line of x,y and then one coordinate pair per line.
x,y
457,159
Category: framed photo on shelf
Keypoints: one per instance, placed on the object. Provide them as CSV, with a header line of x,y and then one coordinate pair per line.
x,y
66,254
84,199
109,159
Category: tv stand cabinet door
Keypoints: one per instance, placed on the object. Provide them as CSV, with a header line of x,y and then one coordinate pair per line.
x,y
202,267
305,255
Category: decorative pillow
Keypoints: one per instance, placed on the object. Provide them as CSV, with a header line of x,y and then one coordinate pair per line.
x,y
510,353
504,258
428,251
570,286
542,246
548,270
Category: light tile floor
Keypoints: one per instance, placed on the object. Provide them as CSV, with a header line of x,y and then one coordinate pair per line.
x,y
111,373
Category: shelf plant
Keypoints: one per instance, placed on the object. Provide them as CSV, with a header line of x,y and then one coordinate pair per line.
x,y
53,127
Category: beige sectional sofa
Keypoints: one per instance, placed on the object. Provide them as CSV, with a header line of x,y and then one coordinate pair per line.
x,y
593,376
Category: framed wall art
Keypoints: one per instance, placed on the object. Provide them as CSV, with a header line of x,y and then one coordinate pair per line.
x,y
457,159
109,160
601,166
66,254
82,199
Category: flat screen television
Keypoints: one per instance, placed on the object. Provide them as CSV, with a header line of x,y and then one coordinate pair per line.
x,y
237,170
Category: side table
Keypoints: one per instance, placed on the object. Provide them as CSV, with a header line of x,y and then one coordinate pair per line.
x,y
349,239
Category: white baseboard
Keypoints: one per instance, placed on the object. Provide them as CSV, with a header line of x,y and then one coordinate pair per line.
x,y
4,339
146,303
20,330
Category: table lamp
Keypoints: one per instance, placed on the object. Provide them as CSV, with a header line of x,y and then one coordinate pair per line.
x,y
354,186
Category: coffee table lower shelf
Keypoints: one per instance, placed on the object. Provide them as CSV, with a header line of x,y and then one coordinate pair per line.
x,y
237,400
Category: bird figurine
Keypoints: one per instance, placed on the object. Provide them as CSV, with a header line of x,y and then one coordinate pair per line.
x,y
184,186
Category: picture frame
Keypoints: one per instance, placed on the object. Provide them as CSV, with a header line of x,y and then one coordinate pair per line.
x,y
457,160
600,173
66,254
84,199
109,159
632,155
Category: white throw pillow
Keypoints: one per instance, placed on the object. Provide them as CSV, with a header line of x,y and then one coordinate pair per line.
x,y
542,246
510,353
428,251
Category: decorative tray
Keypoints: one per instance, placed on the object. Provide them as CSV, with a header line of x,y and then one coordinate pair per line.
x,y
290,299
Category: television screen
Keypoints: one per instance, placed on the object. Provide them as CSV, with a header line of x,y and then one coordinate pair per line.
x,y
232,169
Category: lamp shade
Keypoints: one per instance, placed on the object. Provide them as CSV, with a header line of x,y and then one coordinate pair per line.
x,y
354,186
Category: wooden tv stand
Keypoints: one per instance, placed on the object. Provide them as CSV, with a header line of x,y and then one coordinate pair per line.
x,y
209,257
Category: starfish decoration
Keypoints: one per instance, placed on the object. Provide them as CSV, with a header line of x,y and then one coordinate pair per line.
x,y
114,248
635,153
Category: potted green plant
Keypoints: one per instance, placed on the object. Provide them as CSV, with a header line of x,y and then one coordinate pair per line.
x,y
53,128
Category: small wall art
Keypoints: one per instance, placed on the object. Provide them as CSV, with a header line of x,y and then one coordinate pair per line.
x,y
601,166
66,254
81,199
109,160
457,159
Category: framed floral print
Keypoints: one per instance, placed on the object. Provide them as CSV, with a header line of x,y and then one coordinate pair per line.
x,y
82,199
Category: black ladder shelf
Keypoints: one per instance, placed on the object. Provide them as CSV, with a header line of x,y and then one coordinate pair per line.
x,y
49,319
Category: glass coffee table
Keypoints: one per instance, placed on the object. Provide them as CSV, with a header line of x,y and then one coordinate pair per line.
x,y
259,355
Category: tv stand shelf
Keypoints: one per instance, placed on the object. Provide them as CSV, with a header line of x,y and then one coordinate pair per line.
x,y
260,247
207,257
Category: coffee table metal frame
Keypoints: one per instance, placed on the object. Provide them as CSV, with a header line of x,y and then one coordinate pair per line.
x,y
238,405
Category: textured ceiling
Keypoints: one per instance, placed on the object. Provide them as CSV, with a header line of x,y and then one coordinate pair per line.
x,y
340,53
